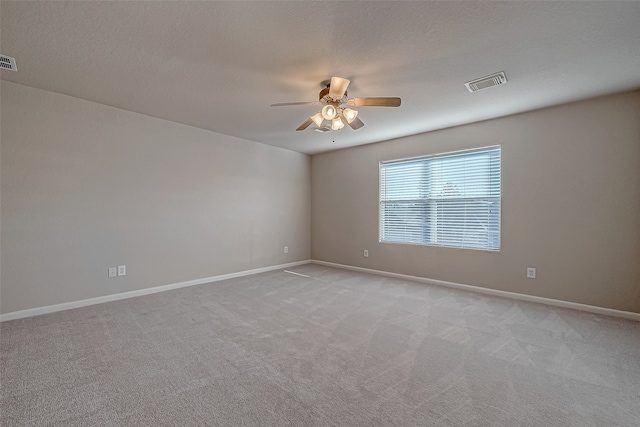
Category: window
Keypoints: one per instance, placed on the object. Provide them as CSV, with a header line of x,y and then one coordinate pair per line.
x,y
449,199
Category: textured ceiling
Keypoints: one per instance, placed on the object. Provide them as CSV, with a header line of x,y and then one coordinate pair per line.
x,y
218,65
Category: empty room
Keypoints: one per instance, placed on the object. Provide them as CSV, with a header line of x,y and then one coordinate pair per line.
x,y
275,213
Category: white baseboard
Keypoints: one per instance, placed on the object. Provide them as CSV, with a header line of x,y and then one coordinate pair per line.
x,y
99,300
523,297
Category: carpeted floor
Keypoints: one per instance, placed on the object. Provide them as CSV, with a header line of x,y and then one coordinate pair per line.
x,y
337,348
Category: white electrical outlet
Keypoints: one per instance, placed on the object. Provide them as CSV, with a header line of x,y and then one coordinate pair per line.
x,y
531,273
366,253
286,249
122,270
113,271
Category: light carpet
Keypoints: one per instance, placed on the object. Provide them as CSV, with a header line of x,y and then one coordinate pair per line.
x,y
337,348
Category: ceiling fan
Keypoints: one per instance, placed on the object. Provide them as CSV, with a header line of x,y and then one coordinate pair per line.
x,y
337,107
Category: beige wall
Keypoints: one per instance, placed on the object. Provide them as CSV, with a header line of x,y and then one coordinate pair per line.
x,y
570,206
86,186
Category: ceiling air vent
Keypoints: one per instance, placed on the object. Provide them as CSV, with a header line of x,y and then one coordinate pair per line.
x,y
322,129
8,63
487,81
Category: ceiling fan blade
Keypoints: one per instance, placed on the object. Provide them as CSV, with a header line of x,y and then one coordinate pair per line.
x,y
283,104
375,102
356,123
338,87
305,125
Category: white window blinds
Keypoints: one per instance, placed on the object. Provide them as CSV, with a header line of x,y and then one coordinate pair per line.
x,y
450,199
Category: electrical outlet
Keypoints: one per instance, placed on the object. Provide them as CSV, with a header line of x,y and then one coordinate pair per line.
x,y
366,253
122,270
113,271
531,273
286,249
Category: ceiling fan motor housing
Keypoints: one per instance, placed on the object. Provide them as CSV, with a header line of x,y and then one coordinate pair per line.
x,y
325,98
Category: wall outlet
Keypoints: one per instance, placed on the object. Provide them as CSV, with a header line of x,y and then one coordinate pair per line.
x,y
286,249
531,273
122,270
366,253
113,271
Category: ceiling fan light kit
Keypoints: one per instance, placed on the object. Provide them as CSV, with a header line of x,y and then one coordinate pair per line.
x,y
349,115
318,119
337,124
333,97
329,112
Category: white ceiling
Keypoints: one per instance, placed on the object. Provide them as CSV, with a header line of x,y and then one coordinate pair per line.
x,y
219,65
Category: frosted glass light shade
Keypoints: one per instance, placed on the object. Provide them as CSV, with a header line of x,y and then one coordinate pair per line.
x,y
329,112
317,119
337,124
349,114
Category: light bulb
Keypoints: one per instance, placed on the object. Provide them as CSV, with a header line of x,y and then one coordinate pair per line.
x,y
349,114
317,118
329,112
337,124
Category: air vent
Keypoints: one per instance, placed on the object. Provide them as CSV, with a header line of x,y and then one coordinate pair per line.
x,y
485,82
322,129
8,63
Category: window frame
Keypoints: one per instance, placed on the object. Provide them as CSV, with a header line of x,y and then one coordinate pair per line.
x,y
435,156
